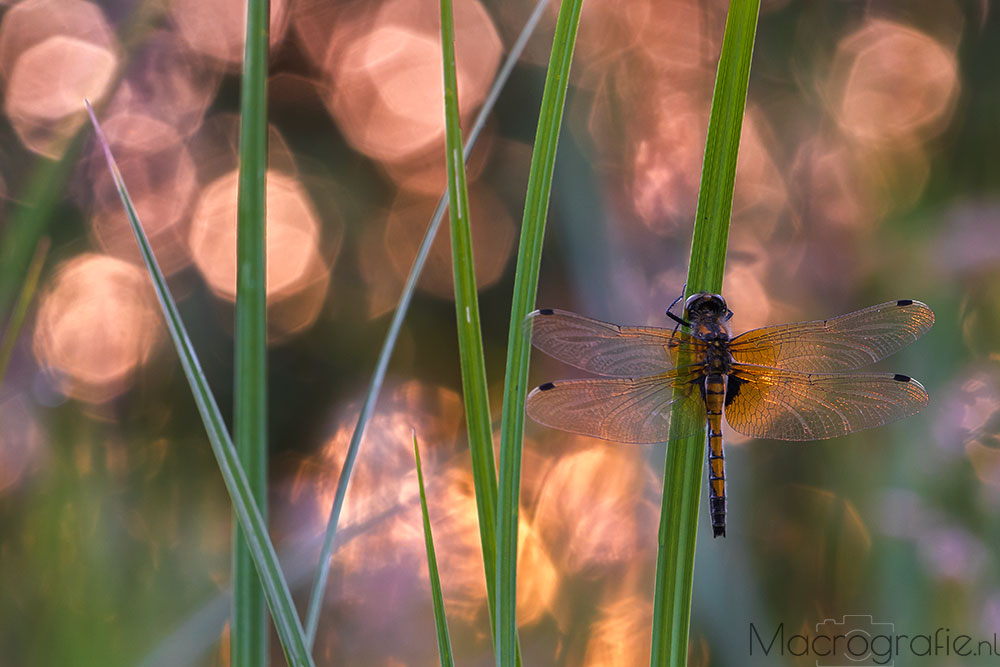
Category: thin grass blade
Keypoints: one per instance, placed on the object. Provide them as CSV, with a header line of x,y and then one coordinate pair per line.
x,y
470,340
279,599
24,298
685,457
529,257
378,377
248,634
440,620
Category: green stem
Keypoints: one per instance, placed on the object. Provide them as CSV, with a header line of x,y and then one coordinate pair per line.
x,y
685,457
440,621
248,636
529,257
35,206
21,306
470,340
279,598
26,226
375,386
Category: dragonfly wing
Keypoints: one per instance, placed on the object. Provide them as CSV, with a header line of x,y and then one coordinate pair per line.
x,y
632,411
604,348
787,405
842,343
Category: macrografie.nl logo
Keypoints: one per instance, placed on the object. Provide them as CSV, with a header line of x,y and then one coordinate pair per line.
x,y
859,641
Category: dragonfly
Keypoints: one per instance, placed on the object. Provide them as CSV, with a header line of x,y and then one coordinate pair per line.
x,y
786,382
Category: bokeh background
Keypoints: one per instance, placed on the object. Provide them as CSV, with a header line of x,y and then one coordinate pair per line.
x,y
867,172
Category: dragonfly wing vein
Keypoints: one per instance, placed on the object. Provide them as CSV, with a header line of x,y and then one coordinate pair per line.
x,y
606,349
841,343
788,405
622,410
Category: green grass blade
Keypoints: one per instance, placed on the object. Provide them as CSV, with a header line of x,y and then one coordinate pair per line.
x,y
525,287
24,298
440,620
470,341
45,189
722,145
279,599
248,633
378,377
686,457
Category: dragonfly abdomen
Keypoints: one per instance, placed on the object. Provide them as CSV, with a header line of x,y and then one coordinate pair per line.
x,y
715,392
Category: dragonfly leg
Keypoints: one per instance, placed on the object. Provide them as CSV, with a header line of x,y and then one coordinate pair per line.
x,y
681,322
676,301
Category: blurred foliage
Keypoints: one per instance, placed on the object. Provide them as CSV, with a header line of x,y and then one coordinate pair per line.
x,y
865,175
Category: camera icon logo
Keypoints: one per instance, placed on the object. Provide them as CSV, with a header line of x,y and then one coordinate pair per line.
x,y
856,641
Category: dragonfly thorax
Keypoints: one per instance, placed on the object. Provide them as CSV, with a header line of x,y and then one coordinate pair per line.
x,y
708,316
718,358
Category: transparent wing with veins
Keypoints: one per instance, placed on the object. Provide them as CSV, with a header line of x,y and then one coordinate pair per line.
x,y
619,409
841,343
607,349
764,402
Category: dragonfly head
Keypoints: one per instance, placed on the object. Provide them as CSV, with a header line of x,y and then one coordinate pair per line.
x,y
703,304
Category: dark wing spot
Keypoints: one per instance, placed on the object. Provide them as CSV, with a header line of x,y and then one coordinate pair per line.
x,y
904,302
546,311
733,388
901,378
549,385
